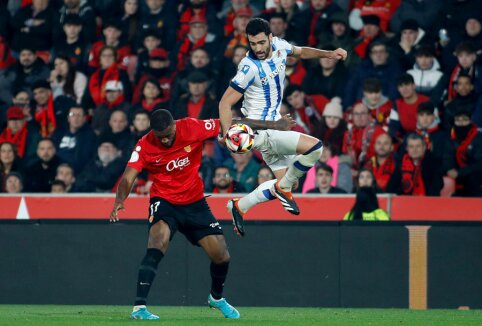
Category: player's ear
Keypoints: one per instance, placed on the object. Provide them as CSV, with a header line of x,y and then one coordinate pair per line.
x,y
270,37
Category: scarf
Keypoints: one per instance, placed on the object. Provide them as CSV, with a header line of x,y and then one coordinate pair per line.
x,y
149,107
97,86
453,80
186,16
412,182
361,48
117,102
19,139
186,49
6,59
46,118
238,39
312,39
425,133
382,172
461,153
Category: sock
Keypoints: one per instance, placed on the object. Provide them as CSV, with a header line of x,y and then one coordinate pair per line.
x,y
147,272
299,167
218,276
259,195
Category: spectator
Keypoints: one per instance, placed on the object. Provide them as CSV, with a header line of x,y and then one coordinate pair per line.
x,y
379,105
331,128
378,66
295,72
20,99
403,117
58,187
152,98
365,178
197,36
324,176
411,38
310,22
140,124
466,56
465,98
383,9
196,104
114,101
112,37
327,78
75,143
473,33
359,139
119,132
130,23
366,207
71,44
161,17
33,25
101,173
84,11
238,35
229,12
429,80
264,174
18,134
223,182
428,127
382,164
425,12
9,161
202,9
13,183
6,57
287,8
244,170
151,40
417,173
26,71
40,172
65,173
107,71
279,25
465,155
66,80
370,33
307,108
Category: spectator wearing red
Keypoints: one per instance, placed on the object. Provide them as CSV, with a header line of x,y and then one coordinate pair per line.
x,y
295,72
159,69
85,12
6,58
379,105
18,134
152,98
238,35
370,33
464,159
417,173
228,14
44,109
107,71
383,9
112,37
198,8
331,128
70,43
403,117
310,22
197,37
197,103
359,139
466,56
308,108
382,164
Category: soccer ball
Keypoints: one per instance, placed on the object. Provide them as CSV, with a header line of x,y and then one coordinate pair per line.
x,y
240,138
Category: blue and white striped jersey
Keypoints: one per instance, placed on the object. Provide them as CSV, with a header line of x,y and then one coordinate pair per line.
x,y
262,82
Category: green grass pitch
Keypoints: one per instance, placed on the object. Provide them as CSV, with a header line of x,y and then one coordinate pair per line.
x,y
40,315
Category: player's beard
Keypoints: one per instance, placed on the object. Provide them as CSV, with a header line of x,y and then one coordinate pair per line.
x,y
266,52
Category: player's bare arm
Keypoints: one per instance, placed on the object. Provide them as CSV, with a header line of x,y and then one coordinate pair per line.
x,y
305,52
123,190
229,99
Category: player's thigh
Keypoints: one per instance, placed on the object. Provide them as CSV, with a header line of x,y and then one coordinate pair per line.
x,y
305,143
159,236
276,142
215,247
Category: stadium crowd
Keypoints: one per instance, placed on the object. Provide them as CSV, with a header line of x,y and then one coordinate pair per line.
x,y
79,79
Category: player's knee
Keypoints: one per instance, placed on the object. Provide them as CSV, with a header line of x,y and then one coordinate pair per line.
x,y
315,150
160,241
222,258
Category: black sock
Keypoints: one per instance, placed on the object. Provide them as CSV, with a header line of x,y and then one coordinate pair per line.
x,y
218,276
147,272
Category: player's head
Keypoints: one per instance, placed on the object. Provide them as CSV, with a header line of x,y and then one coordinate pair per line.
x,y
259,37
163,127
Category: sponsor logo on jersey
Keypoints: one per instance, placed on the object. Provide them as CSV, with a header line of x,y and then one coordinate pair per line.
x,y
273,74
177,164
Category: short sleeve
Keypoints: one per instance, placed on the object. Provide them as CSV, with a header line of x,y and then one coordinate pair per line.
x,y
244,77
137,157
282,44
203,129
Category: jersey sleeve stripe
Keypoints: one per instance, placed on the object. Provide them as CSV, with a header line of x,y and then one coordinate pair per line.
x,y
237,87
278,90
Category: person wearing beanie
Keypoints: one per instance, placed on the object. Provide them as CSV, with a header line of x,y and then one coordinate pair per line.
x,y
370,33
332,126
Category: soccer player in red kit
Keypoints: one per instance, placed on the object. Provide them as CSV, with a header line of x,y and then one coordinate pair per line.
x,y
172,153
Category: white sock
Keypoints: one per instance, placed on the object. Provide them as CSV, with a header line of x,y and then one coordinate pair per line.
x,y
138,307
300,166
259,195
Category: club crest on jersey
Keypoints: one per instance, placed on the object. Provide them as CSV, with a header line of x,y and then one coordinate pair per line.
x,y
273,74
188,148
177,164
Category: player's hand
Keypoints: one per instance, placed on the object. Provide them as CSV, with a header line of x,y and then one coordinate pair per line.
x,y
222,140
117,207
285,123
339,54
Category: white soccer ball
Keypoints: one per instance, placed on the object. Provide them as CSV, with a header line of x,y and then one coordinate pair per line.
x,y
240,138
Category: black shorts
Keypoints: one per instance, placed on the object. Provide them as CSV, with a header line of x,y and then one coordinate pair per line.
x,y
194,220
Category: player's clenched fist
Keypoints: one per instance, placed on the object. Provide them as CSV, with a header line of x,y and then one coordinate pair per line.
x,y
339,54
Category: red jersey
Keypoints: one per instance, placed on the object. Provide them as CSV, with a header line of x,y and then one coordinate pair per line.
x,y
174,170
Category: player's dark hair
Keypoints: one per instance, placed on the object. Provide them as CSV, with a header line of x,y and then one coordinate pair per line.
x,y
372,85
161,119
258,25
325,167
405,79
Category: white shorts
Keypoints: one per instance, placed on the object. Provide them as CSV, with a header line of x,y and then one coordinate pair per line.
x,y
277,147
